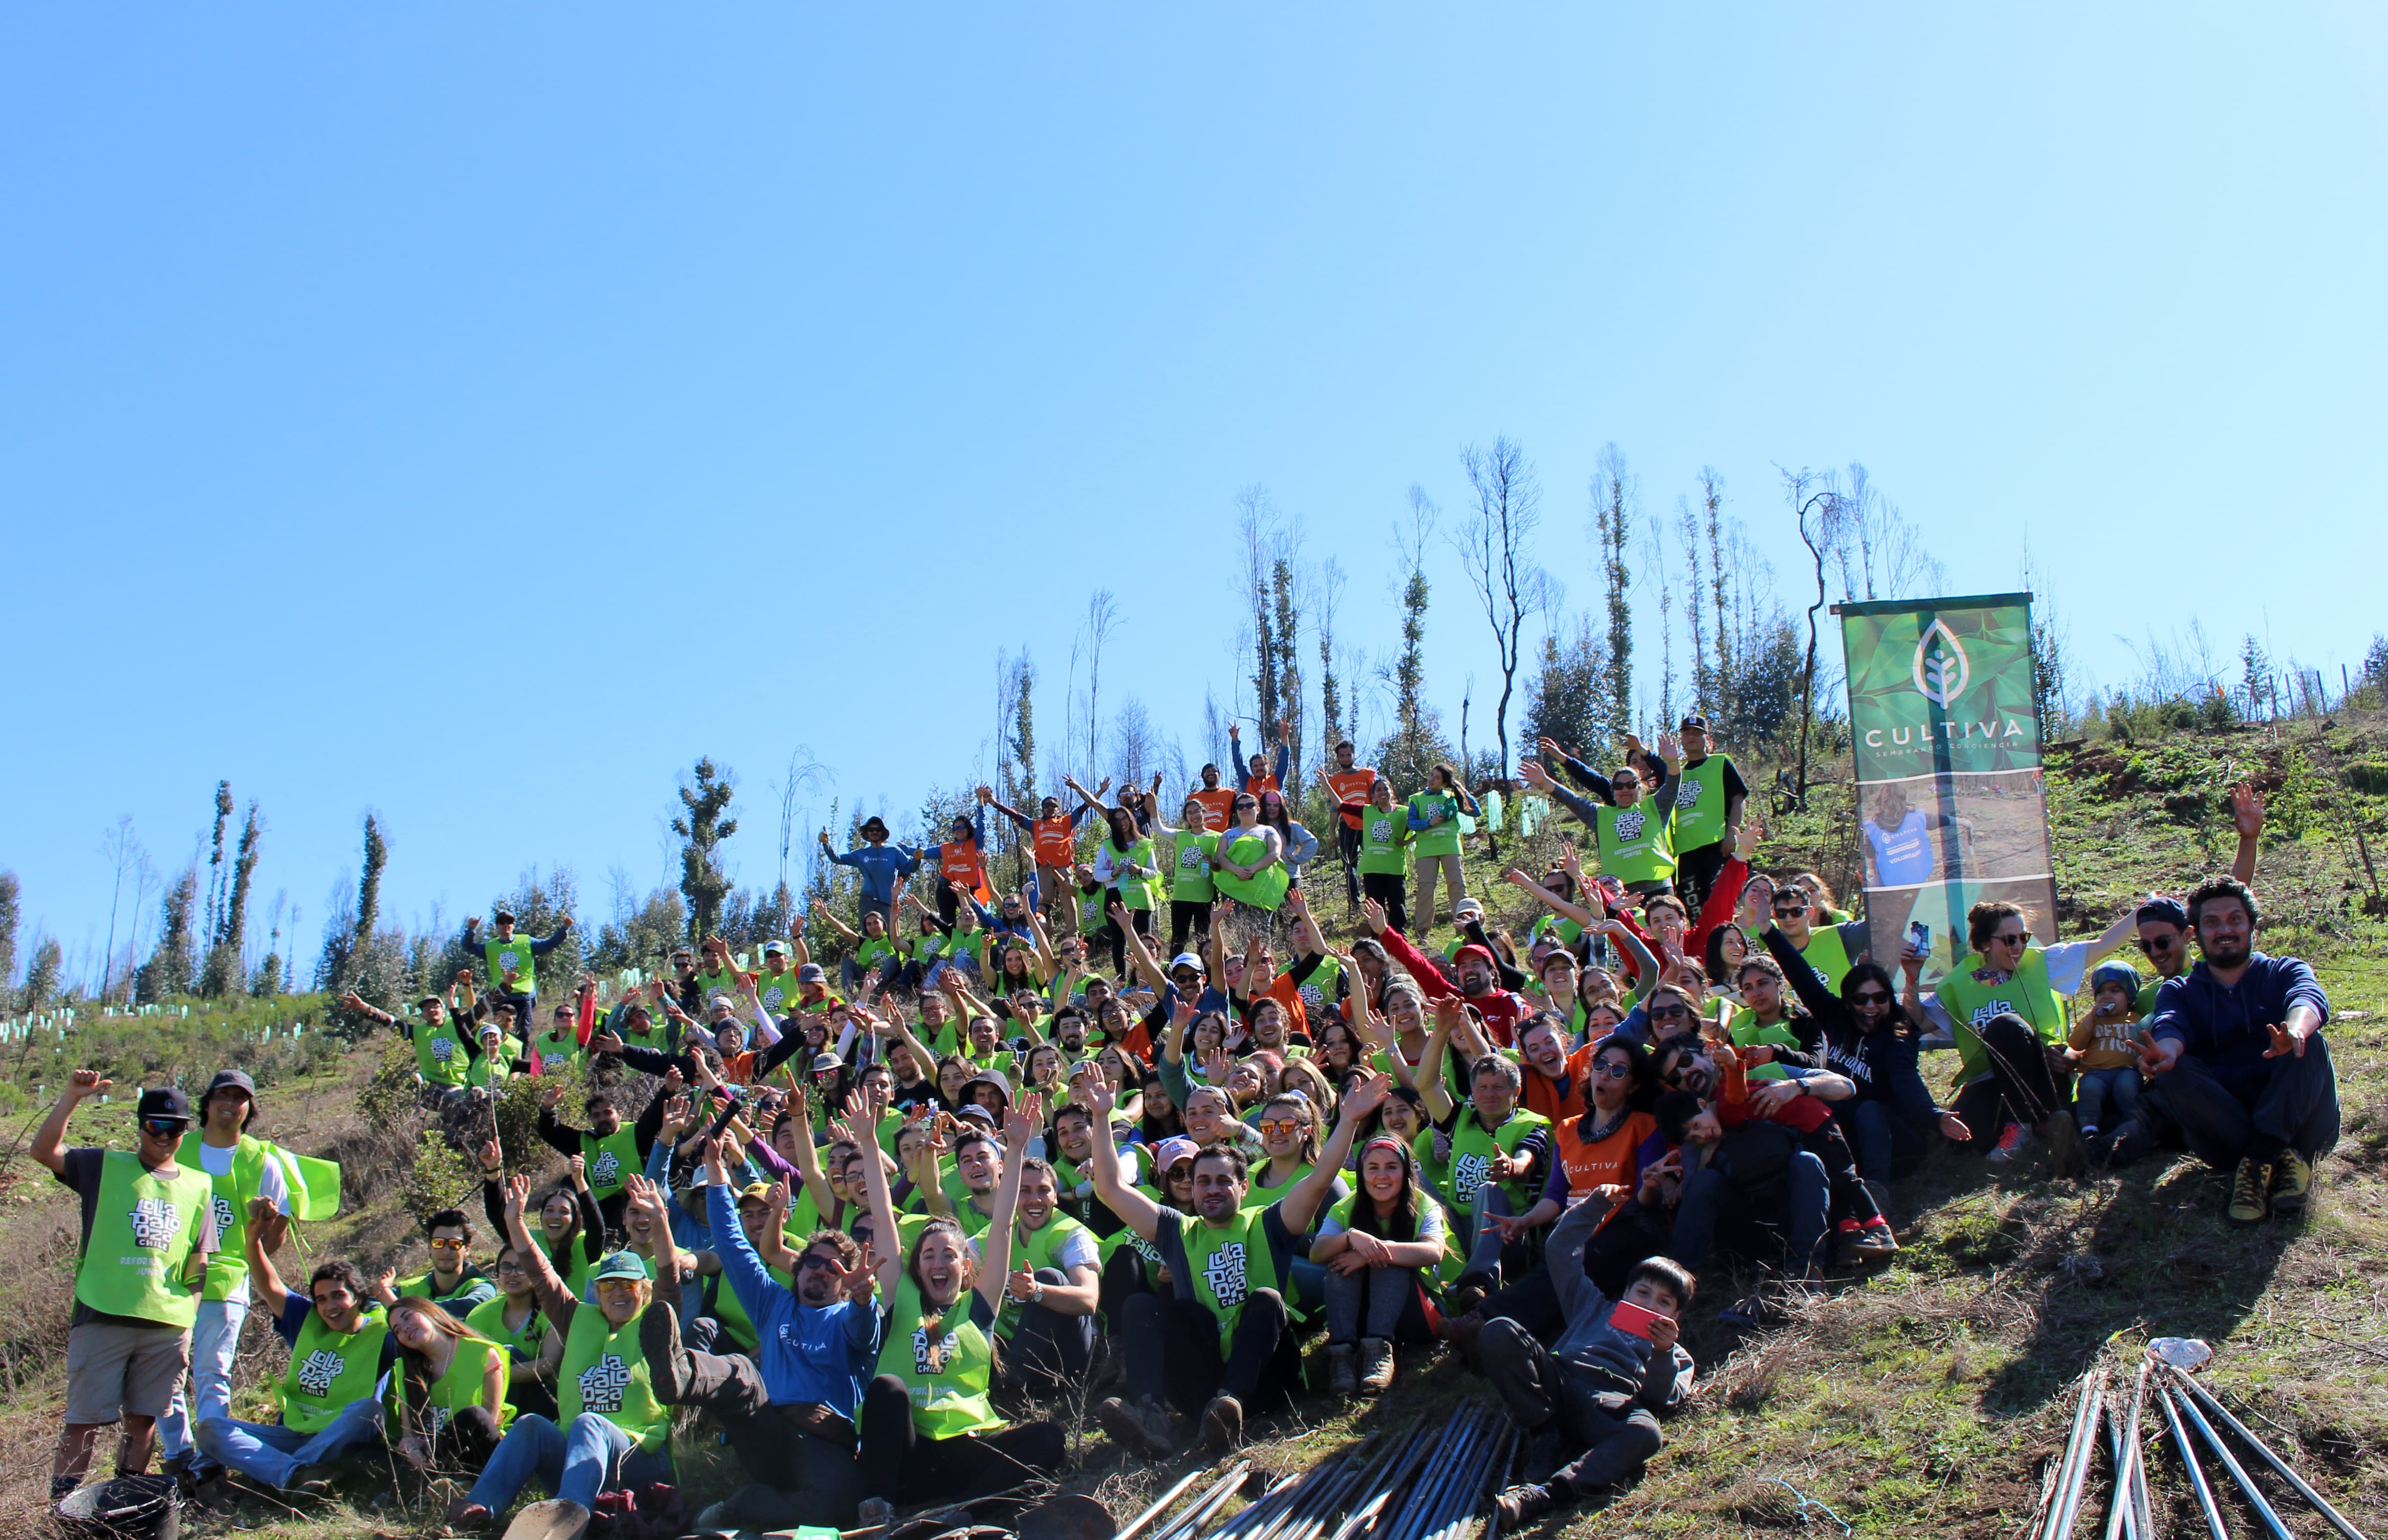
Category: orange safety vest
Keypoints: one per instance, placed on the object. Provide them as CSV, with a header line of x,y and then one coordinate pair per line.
x,y
1057,841
1352,785
958,862
1614,1161
1217,803
1542,1092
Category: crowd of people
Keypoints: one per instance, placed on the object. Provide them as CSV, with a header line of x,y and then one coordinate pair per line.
x,y
881,1230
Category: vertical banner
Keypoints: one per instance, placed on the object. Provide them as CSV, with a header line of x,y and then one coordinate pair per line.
x,y
1951,810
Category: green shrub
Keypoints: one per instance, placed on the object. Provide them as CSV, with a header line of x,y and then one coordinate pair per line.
x,y
438,1177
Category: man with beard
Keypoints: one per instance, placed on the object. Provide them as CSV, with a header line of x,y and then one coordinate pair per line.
x,y
2236,1062
1477,981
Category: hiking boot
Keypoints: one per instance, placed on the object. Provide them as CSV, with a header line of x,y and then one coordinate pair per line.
x,y
1223,1424
2064,1144
1522,1505
2012,1142
2251,1189
1465,1332
1108,1365
873,1513
668,1370
1375,1366
1880,1192
553,1519
2293,1177
467,1517
1469,1293
1142,1427
1342,1381
1872,1240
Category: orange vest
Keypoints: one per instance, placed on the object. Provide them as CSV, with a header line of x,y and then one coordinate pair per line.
x,y
958,862
1614,1161
1217,803
1543,1092
1057,841
1352,785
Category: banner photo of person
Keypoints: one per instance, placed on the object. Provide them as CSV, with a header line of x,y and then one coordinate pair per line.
x,y
1951,805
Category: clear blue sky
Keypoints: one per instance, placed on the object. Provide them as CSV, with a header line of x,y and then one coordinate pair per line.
x,y
726,380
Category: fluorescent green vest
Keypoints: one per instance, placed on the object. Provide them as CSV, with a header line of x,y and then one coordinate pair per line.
x,y
330,1372
1091,913
142,1232
1746,1032
1442,839
1698,815
1971,1003
228,1268
1382,835
1135,891
1264,892
1317,991
1634,846
1230,1261
491,1071
488,1320
461,1386
1473,1146
606,1373
419,1286
555,1052
945,1371
1825,953
1257,1196
439,1055
1453,1262
1191,881
514,954
611,1161
1036,1250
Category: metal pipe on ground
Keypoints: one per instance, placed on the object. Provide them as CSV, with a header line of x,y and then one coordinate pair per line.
x,y
1161,1505
1424,1511
1204,1504
2079,1456
2216,1528
2256,1499
2319,1504
2123,1519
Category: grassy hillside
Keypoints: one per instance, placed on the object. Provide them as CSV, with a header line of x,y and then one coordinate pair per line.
x,y
1920,1400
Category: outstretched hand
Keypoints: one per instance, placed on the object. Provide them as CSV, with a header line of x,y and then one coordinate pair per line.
x,y
2287,1040
2158,1055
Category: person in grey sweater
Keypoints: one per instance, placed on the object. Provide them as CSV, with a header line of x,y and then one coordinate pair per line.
x,y
1588,1404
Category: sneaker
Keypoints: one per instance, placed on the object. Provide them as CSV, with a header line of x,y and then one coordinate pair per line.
x,y
668,1364
1223,1424
2292,1182
1142,1427
1873,1238
467,1517
1522,1505
2251,1189
1375,1366
2012,1141
1468,1292
2089,1132
554,1520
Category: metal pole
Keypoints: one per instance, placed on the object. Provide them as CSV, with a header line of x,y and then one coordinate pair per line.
x,y
2338,1520
1158,1507
2079,1456
2124,1518
2189,1461
1226,1483
2246,1483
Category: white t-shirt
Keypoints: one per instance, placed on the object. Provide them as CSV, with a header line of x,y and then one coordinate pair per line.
x,y
216,1161
1430,1223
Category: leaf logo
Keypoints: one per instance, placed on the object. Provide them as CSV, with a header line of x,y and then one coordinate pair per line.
x,y
1941,669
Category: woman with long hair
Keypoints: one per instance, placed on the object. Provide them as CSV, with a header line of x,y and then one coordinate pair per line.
x,y
1247,864
1191,889
1434,815
1300,845
452,1410
1376,1244
571,1226
1130,871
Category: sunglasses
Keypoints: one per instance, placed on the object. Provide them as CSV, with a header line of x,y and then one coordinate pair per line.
x,y
2015,939
1790,909
814,1262
2159,944
1870,996
1668,1013
164,1128
1610,1069
1280,1126
448,1245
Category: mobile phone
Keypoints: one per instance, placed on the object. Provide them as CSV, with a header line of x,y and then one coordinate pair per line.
x,y
1631,1319
1919,935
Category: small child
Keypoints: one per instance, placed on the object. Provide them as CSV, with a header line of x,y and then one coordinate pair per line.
x,y
2101,1047
1588,1402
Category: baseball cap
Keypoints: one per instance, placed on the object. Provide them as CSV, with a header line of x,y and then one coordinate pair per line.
x,y
1467,906
1186,959
774,949
619,1265
1461,955
162,1102
1693,723
1169,1151
723,1000
504,917
977,1114
2163,910
759,1191
812,973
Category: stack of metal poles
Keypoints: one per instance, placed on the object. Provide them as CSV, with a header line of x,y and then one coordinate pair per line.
x,y
2188,1406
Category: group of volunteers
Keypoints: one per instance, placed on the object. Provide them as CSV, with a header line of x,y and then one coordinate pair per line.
x,y
883,1232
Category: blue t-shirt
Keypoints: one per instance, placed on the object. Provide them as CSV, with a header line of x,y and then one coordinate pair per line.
x,y
1902,856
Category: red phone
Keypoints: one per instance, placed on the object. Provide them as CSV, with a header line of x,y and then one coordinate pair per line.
x,y
1633,1320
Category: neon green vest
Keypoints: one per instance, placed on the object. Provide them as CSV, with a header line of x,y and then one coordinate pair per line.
x,y
439,1055
1264,892
606,1373
1230,1261
491,1071
1257,1196
419,1286
1472,1149
945,1371
1135,891
514,954
555,1052
1698,815
611,1161
1971,1003
1317,991
1442,839
1825,953
1446,1271
228,1268
1191,877
1038,1249
330,1372
1746,1032
1382,835
142,1232
461,1386
488,1320
1634,846
778,991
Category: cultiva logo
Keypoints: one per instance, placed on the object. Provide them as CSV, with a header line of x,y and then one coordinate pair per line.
x,y
1941,670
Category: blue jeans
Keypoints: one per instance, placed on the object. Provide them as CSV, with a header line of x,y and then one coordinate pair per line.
x,y
1799,1210
276,1455
215,1338
574,1463
1885,1141
2097,1094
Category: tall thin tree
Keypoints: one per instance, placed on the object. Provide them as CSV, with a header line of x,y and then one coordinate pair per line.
x,y
1495,545
1614,494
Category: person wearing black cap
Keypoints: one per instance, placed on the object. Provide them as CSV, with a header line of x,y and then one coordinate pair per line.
x,y
240,1168
513,960
1706,816
149,1230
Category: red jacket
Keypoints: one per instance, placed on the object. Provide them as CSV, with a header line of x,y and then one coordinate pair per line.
x,y
1501,1011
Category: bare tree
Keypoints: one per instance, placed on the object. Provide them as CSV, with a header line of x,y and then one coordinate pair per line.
x,y
1102,618
1495,544
803,773
1657,541
1135,744
1820,498
1880,553
121,848
1326,597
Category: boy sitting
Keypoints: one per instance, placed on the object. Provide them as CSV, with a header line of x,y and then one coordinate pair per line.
x,y
1588,1402
2100,1047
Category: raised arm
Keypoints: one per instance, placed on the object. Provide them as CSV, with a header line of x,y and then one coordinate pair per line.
x,y
1448,1013
267,1225
554,1299
1022,1123
1120,1195
1549,899
2247,813
1299,1207
1147,967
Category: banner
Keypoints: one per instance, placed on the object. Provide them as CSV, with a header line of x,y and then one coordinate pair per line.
x,y
1951,810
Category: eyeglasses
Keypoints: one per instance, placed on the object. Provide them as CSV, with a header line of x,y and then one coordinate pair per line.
x,y
1871,997
438,1245
1610,1069
510,1266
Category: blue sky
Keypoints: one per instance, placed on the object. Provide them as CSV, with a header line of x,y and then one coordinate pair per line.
x,y
474,416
